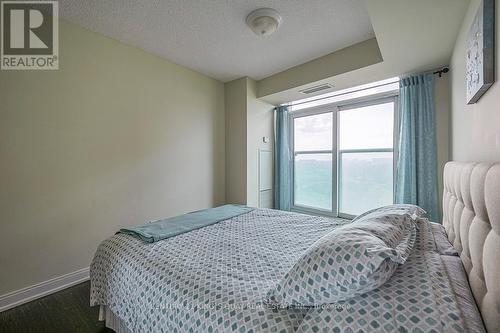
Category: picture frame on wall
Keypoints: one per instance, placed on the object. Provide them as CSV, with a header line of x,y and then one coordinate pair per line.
x,y
480,57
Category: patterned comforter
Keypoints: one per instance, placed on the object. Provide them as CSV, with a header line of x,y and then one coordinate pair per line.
x,y
215,279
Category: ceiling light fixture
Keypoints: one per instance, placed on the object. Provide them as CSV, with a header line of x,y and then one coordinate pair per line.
x,y
264,21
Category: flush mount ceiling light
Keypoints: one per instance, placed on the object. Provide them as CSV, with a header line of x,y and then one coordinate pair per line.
x,y
264,21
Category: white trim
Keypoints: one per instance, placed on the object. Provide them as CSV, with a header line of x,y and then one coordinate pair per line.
x,y
335,108
260,189
28,294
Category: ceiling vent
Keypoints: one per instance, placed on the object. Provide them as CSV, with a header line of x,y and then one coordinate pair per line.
x,y
315,89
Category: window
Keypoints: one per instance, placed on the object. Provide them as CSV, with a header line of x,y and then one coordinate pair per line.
x,y
313,161
365,157
344,155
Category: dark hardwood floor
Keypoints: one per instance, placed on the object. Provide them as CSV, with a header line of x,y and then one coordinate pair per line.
x,y
64,311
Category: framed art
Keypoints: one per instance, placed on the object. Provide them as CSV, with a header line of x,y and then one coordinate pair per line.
x,y
480,62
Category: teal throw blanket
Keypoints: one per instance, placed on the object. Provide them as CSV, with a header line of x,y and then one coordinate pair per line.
x,y
166,228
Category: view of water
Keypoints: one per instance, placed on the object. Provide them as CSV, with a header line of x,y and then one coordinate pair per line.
x,y
313,182
365,181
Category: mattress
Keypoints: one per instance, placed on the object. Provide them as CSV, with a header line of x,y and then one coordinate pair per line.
x,y
215,279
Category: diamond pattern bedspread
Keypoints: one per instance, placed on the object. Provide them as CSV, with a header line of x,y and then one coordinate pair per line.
x,y
215,279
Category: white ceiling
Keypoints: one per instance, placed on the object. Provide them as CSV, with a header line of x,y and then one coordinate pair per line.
x,y
211,37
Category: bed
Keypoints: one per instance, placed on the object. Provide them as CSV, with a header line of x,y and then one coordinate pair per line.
x,y
215,278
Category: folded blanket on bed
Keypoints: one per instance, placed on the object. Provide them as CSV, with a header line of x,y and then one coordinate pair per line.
x,y
166,228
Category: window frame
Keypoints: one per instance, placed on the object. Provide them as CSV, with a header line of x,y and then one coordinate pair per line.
x,y
327,108
335,108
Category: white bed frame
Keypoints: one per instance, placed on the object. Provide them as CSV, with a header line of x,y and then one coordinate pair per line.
x,y
471,217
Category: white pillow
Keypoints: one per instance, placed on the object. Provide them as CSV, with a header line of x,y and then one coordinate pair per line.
x,y
349,261
398,209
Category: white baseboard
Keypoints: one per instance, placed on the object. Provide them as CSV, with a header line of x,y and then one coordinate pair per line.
x,y
21,296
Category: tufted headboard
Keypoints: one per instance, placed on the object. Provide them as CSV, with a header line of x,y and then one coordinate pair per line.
x,y
471,217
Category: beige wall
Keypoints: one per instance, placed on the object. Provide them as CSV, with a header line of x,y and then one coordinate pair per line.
x,y
236,144
475,128
442,91
260,123
248,120
342,61
116,137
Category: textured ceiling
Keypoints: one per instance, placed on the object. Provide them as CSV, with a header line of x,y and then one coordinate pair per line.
x,y
211,37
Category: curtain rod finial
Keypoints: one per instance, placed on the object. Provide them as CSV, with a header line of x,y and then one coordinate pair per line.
x,y
442,71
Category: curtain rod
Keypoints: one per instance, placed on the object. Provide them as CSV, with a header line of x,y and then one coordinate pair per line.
x,y
436,71
441,71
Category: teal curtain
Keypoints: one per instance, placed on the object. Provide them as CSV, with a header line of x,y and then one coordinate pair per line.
x,y
416,178
283,158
